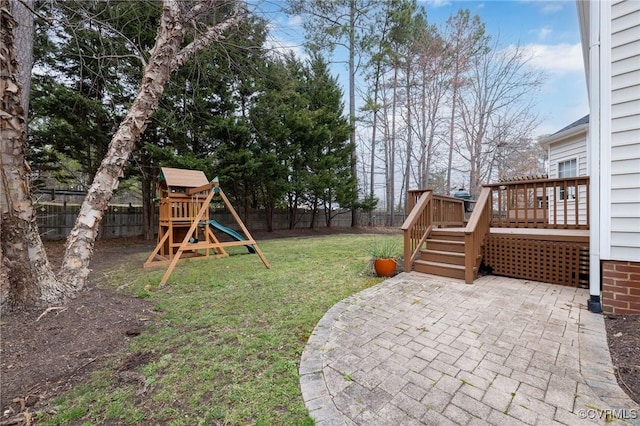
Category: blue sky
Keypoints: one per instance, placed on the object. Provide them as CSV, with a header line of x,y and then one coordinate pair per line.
x,y
548,30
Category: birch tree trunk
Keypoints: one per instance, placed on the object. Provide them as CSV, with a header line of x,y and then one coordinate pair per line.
x,y
26,276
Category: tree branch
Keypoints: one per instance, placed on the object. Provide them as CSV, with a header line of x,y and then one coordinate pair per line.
x,y
212,34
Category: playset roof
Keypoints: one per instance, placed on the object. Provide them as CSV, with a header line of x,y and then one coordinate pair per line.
x,y
183,178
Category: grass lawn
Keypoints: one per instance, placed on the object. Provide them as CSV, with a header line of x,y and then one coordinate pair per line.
x,y
226,347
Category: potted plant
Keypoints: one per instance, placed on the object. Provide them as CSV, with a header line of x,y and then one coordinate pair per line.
x,y
384,254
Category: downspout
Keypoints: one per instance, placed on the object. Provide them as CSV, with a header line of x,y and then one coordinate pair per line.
x,y
593,153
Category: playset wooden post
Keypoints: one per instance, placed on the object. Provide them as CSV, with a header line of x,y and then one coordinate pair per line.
x,y
185,196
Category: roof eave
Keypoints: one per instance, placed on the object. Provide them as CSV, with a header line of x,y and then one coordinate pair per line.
x,y
559,137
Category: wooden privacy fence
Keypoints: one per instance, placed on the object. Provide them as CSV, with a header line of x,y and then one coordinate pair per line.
x,y
55,221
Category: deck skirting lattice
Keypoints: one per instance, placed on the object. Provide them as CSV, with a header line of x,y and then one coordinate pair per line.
x,y
558,262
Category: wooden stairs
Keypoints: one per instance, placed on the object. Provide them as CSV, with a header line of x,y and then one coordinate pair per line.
x,y
444,254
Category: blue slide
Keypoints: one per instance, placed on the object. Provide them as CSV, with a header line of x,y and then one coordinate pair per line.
x,y
233,234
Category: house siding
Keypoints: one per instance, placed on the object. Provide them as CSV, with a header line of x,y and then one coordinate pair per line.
x,y
568,149
625,132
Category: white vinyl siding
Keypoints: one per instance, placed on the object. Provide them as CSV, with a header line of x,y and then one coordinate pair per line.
x,y
624,238
627,81
632,48
625,131
575,148
629,137
572,148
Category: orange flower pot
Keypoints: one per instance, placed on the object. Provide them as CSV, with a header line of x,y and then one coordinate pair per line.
x,y
385,267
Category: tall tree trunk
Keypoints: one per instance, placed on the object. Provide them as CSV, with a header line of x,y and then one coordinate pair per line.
x,y
374,129
23,39
352,100
452,128
147,180
422,164
391,167
24,261
409,148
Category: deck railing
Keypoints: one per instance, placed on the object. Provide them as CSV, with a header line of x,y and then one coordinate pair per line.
x,y
561,203
474,235
427,210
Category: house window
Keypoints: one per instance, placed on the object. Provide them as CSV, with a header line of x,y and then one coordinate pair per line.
x,y
567,168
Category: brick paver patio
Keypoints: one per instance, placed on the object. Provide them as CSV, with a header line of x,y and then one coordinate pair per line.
x,y
425,350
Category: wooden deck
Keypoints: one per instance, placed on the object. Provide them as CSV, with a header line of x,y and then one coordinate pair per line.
x,y
581,235
517,229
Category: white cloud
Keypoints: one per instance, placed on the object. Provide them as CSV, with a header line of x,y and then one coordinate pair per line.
x,y
295,21
438,3
551,7
556,59
543,33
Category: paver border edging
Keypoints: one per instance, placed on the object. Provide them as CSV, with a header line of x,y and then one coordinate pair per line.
x,y
313,386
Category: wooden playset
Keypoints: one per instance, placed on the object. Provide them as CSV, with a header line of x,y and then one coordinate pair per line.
x,y
185,229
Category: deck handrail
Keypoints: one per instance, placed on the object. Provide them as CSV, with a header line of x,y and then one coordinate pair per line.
x,y
560,203
474,234
417,227
426,211
448,211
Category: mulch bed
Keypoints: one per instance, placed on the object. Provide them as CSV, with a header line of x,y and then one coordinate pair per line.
x,y
623,336
44,354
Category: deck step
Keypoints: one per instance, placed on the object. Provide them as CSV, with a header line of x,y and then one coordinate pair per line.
x,y
447,234
445,245
449,257
441,269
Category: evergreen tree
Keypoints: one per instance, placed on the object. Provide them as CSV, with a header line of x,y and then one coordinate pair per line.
x,y
330,180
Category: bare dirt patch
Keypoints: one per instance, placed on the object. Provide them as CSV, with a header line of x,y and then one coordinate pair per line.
x,y
43,355
623,336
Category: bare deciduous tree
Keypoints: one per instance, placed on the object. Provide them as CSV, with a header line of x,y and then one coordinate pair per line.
x,y
465,38
495,110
